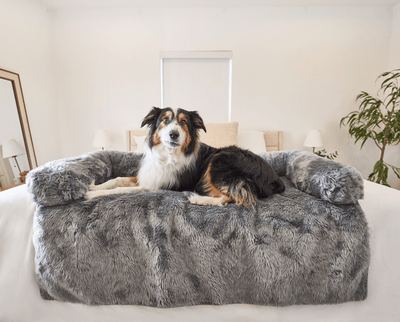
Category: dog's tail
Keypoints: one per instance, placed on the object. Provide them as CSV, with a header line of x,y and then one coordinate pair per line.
x,y
241,193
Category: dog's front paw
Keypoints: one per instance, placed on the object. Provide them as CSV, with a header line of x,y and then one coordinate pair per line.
x,y
92,186
91,194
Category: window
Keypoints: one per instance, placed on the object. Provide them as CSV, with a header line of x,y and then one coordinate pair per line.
x,y
198,80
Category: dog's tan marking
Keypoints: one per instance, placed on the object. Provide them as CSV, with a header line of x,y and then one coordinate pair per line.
x,y
218,195
156,138
186,142
188,138
167,115
208,186
182,118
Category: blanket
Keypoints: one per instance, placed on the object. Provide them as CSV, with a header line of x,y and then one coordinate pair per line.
x,y
308,245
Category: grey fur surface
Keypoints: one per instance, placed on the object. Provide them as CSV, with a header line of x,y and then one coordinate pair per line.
x,y
157,249
326,179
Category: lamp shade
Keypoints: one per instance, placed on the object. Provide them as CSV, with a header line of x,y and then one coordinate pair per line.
x,y
101,139
313,139
11,149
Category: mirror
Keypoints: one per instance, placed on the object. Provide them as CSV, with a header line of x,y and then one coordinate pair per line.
x,y
17,154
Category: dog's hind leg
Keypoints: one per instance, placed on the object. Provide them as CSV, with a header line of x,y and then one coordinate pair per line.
x,y
210,201
114,183
221,185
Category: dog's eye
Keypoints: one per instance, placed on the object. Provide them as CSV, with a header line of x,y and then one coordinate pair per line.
x,y
183,122
165,121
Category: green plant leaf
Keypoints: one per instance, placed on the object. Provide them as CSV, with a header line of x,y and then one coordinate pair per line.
x,y
380,173
394,76
378,120
383,74
396,170
393,98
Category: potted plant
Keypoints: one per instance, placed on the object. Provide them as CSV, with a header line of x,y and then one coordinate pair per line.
x,y
378,120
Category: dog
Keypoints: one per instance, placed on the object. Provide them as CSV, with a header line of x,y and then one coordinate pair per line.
x,y
175,159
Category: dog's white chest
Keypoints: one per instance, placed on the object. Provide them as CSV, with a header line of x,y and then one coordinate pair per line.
x,y
161,168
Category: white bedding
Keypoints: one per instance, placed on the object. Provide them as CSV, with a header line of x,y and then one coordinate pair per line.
x,y
20,299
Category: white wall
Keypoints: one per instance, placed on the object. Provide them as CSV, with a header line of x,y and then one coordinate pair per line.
x,y
394,53
294,68
26,49
392,155
107,68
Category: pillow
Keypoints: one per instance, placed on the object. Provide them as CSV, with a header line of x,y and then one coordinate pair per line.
x,y
252,140
140,141
219,135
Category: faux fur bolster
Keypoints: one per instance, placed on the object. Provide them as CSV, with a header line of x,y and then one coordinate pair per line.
x,y
67,180
278,160
63,181
324,178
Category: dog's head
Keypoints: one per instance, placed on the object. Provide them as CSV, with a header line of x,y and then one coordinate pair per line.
x,y
174,128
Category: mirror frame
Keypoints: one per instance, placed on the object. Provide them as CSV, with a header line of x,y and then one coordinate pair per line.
x,y
23,116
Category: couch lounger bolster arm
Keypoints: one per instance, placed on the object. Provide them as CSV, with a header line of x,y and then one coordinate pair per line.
x,y
64,181
323,178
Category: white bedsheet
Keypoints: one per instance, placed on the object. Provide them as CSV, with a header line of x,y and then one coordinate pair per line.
x,y
20,299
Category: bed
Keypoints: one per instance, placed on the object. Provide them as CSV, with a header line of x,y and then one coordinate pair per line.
x,y
20,298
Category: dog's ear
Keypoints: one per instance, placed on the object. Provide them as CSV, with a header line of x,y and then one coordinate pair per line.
x,y
152,117
197,121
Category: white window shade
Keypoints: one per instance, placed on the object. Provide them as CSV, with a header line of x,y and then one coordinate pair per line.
x,y
198,81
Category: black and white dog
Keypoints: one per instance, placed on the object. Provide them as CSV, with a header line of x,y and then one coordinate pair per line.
x,y
175,159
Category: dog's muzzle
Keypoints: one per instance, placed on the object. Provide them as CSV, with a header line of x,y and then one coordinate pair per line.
x,y
174,136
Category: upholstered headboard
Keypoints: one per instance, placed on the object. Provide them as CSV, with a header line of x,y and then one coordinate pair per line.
x,y
131,144
273,139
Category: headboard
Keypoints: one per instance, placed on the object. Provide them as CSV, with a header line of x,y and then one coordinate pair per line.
x,y
130,141
273,139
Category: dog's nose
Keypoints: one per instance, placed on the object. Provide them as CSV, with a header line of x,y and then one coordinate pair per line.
x,y
174,135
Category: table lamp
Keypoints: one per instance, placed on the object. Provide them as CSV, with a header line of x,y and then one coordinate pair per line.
x,y
313,139
11,149
101,139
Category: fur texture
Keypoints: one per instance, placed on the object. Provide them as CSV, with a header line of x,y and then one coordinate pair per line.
x,y
326,179
158,249
175,159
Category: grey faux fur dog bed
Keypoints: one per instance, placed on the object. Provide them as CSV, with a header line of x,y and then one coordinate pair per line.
x,y
308,245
